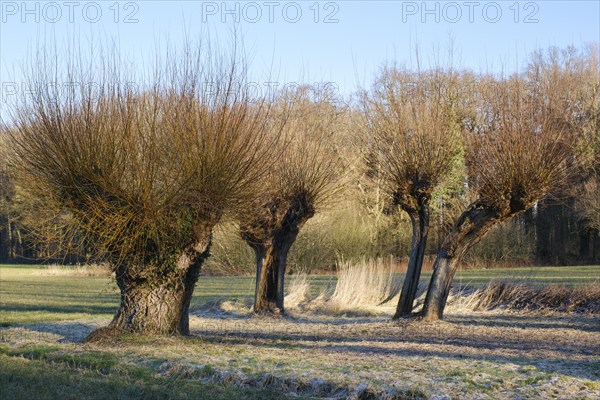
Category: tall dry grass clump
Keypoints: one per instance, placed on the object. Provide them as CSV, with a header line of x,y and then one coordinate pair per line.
x,y
366,283
299,291
99,270
363,286
523,296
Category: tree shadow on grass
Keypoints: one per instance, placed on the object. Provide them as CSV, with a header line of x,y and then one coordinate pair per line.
x,y
20,379
461,338
60,332
61,309
428,335
580,322
587,369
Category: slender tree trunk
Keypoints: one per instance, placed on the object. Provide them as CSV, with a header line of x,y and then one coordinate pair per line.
x,y
439,286
560,223
470,227
4,251
11,244
543,225
158,302
585,235
271,261
18,243
260,254
420,225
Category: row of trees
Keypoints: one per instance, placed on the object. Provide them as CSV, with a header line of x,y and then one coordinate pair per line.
x,y
142,178
361,224
521,139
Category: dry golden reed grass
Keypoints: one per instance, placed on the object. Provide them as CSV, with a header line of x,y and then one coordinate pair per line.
x,y
519,296
78,270
370,286
361,288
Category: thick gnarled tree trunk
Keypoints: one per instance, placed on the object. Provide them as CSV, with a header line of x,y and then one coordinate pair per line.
x,y
439,287
271,260
266,299
271,235
472,225
157,300
420,226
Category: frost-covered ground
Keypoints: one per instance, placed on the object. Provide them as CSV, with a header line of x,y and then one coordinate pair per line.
x,y
480,355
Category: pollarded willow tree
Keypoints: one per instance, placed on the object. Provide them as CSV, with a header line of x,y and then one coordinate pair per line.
x,y
146,170
415,143
521,149
305,175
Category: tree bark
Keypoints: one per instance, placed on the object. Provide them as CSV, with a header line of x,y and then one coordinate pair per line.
x,y
271,232
471,226
19,243
420,225
157,300
271,261
268,266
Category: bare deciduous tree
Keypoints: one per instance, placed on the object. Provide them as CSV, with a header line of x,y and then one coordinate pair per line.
x,y
145,173
575,76
304,176
520,150
415,140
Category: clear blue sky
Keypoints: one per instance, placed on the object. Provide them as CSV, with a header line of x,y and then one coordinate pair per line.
x,y
317,41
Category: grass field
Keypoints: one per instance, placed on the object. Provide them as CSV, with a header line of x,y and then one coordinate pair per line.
x,y
232,355
29,296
